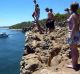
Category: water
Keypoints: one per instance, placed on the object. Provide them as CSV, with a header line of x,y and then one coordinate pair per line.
x,y
11,50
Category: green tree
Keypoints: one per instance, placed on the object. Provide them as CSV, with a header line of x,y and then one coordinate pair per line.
x,y
78,10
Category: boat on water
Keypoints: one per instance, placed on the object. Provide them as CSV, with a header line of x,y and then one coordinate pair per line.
x,y
3,35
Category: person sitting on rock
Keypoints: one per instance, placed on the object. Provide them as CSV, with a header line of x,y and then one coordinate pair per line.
x,y
36,15
73,30
50,20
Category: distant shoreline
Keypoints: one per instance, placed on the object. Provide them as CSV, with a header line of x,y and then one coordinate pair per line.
x,y
16,29
10,29
4,27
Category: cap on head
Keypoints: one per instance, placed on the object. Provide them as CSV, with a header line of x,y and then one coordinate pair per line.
x,y
74,7
47,9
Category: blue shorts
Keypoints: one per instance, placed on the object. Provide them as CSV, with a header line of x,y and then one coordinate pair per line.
x,y
74,40
37,18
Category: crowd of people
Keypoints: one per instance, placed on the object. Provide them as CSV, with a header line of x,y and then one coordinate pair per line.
x,y
73,22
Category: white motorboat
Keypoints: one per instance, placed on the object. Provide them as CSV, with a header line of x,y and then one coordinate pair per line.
x,y
3,35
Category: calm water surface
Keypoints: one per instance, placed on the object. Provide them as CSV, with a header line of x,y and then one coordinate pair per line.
x,y
11,50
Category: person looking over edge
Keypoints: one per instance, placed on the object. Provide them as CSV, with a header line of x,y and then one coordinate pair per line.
x,y
36,15
50,20
73,30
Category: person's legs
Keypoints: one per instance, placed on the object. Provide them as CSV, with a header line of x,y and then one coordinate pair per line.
x,y
47,28
38,26
50,30
51,26
74,54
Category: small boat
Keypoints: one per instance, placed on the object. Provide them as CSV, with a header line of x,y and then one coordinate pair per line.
x,y
3,35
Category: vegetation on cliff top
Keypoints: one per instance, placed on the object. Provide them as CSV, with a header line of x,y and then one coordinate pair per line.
x,y
59,18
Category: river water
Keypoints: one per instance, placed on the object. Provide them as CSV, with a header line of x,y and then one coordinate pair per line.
x,y
11,50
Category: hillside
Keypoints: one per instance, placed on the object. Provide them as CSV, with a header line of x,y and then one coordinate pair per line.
x,y
59,18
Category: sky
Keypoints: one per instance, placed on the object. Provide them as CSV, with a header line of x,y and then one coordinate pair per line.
x,y
17,11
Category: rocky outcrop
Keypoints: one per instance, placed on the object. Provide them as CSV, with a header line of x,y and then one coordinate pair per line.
x,y
45,53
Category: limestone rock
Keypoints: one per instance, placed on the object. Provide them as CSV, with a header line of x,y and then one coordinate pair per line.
x,y
46,54
29,50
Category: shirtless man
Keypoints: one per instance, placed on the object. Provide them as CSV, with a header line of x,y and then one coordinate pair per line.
x,y
36,15
50,20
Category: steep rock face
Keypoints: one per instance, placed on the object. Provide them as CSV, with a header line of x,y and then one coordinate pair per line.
x,y
46,53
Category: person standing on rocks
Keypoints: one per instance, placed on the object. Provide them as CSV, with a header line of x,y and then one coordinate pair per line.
x,y
36,15
73,30
50,20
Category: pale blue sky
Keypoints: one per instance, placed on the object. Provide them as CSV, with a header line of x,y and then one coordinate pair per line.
x,y
16,11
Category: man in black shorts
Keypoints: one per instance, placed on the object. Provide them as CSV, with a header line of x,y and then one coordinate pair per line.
x,y
50,20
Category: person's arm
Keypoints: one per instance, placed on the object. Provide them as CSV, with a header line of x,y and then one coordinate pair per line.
x,y
33,15
68,20
79,22
74,26
54,18
47,21
34,2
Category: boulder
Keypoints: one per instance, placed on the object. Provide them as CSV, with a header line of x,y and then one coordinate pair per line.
x,y
29,50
